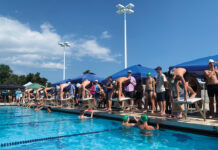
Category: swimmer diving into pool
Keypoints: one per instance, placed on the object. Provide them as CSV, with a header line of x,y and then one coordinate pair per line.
x,y
183,75
83,90
118,87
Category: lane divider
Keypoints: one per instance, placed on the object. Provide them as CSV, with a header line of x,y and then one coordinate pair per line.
x,y
20,116
35,122
53,138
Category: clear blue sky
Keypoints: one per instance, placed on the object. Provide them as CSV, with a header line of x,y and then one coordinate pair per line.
x,y
160,32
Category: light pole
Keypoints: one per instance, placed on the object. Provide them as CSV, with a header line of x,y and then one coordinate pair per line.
x,y
125,10
64,44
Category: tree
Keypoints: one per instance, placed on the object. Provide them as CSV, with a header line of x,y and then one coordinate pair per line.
x,y
5,73
87,72
6,76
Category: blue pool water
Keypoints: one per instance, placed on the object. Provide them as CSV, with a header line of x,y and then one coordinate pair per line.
x,y
40,130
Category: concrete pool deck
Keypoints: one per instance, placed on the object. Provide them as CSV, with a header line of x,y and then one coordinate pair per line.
x,y
193,123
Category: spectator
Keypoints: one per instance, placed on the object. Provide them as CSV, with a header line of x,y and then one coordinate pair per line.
x,y
129,90
108,89
161,82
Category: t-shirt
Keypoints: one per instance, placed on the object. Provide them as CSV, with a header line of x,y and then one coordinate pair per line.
x,y
71,90
97,88
160,83
18,93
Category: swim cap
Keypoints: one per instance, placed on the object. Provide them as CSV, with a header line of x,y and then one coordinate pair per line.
x,y
148,74
172,71
144,118
78,85
125,118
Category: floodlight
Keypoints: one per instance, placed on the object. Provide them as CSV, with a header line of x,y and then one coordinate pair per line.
x,y
130,6
120,12
119,6
67,44
129,11
61,44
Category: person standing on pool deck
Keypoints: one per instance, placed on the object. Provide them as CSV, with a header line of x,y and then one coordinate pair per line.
x,y
150,92
129,90
109,89
212,86
160,89
18,95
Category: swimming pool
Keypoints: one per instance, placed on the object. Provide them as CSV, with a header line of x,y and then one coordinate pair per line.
x,y
22,128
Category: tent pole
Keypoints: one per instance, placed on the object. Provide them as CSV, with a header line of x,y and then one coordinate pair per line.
x,y
204,100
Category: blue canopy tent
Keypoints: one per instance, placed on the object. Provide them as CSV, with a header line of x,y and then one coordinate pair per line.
x,y
90,77
196,67
138,71
61,82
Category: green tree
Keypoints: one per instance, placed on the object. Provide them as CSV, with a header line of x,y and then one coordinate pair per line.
x,y
5,73
6,76
87,72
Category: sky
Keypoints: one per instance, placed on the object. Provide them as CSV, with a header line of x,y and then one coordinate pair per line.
x,y
159,32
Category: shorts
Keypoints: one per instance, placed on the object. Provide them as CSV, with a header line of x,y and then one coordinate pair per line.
x,y
186,76
167,95
139,95
108,95
212,90
149,91
129,94
161,96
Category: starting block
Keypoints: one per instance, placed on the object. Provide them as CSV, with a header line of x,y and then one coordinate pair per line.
x,y
124,99
190,101
87,101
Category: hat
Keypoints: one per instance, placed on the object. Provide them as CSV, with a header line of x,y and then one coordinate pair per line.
x,y
129,71
148,74
77,85
96,80
144,118
158,68
125,118
211,61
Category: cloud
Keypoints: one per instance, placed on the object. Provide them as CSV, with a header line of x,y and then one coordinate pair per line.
x,y
92,49
21,45
105,35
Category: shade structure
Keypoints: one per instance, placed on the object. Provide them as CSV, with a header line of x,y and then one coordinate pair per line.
x,y
89,76
27,84
35,86
196,67
138,71
61,82
11,86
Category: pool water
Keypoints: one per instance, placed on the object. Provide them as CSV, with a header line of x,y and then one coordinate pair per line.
x,y
28,129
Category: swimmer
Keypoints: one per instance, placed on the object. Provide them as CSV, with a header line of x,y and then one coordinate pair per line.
x,y
182,74
83,90
37,108
62,86
150,93
143,123
118,86
126,121
82,115
49,109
